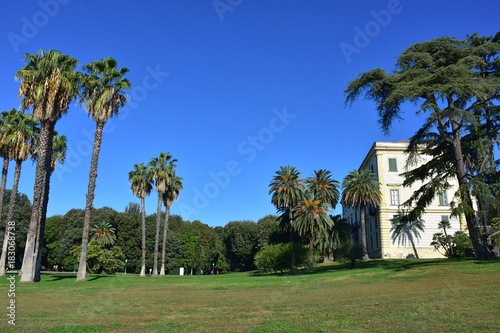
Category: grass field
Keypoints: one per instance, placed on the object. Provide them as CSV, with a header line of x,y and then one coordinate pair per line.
x,y
379,295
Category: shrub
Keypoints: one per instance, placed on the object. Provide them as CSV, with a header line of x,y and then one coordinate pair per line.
x,y
99,259
453,246
281,257
349,251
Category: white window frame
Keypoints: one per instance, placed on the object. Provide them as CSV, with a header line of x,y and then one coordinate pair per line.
x,y
395,200
443,198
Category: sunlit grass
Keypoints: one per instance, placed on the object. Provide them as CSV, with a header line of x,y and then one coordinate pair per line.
x,y
379,295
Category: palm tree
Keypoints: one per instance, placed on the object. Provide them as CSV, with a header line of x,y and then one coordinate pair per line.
x,y
171,194
18,137
49,83
103,95
332,238
324,187
312,217
141,188
360,189
287,192
160,170
59,149
4,152
104,233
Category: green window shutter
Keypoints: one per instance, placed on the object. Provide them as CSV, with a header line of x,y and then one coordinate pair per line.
x,y
445,218
393,166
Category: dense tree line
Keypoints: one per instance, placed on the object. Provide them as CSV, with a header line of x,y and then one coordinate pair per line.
x,y
193,245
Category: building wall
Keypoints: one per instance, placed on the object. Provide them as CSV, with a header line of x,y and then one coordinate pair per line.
x,y
382,242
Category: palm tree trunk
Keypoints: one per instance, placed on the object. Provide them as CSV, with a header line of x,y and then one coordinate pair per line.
x,y
164,248
143,214
82,267
13,193
3,258
311,242
363,233
157,237
36,256
42,179
40,238
290,220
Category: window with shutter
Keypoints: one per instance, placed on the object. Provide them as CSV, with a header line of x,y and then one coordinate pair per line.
x,y
393,165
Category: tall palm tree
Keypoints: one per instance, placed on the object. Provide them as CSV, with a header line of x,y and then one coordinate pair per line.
x,y
18,137
161,171
103,95
141,188
59,149
171,194
312,217
4,153
286,189
49,83
360,188
324,187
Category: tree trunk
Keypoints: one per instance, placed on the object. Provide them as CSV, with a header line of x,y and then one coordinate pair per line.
x,y
82,267
311,241
13,193
42,175
40,240
481,209
363,233
480,249
3,258
157,237
290,220
164,248
143,215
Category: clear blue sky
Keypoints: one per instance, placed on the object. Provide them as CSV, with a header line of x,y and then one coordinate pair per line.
x,y
233,89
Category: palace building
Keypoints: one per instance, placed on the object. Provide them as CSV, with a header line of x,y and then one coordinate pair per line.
x,y
387,160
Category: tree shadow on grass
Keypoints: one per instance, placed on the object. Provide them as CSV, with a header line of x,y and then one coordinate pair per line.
x,y
486,262
54,277
389,264
398,264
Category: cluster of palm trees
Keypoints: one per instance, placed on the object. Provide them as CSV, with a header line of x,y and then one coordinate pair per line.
x,y
304,204
161,173
50,82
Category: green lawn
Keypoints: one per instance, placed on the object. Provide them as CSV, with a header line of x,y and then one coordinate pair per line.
x,y
379,295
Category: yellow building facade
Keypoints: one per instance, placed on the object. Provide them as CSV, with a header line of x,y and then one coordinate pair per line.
x,y
388,161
